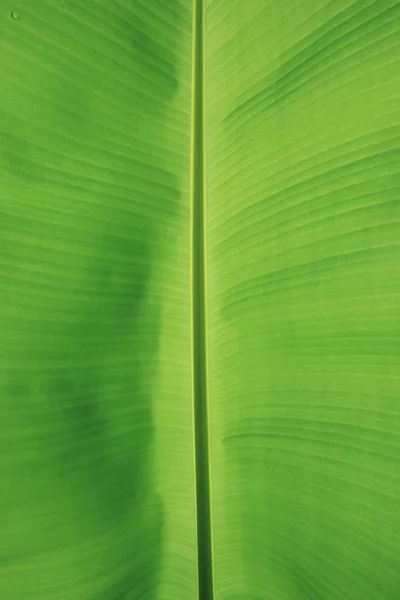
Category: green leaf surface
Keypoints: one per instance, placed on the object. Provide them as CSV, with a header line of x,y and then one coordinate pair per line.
x,y
96,450
199,300
303,232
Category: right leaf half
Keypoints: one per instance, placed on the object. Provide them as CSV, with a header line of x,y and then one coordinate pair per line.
x,y
302,114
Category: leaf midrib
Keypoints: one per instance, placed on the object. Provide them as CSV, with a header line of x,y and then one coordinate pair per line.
x,y
199,315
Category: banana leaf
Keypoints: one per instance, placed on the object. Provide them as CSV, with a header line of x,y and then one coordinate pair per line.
x,y
199,300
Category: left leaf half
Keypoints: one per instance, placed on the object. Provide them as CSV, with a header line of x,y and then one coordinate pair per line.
x,y
96,450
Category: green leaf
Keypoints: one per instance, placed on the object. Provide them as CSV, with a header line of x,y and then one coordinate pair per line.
x,y
303,277
97,495
199,300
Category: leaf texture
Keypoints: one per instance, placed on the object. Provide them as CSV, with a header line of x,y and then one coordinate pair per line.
x,y
303,262
297,300
96,451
